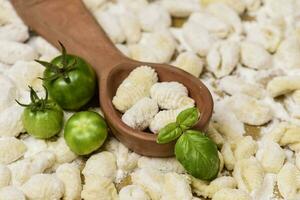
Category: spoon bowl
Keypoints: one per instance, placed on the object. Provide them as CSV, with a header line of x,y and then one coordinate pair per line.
x,y
71,23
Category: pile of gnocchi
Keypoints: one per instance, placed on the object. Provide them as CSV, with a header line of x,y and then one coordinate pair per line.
x,y
140,97
245,51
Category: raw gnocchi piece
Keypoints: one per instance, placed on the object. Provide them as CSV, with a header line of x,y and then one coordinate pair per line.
x,y
5,176
292,107
197,38
94,4
110,23
163,118
14,32
161,164
254,55
34,146
133,192
238,6
227,122
69,174
11,121
207,190
154,17
126,161
268,35
158,46
231,194
267,189
276,132
178,8
134,5
61,150
296,97
214,134
189,62
11,193
176,187
171,95
136,86
297,160
222,58
150,180
245,148
9,92
227,14
101,165
43,47
11,149
140,115
283,84
228,156
288,181
249,174
211,23
99,188
22,170
250,110
287,54
290,136
25,73
13,51
131,26
235,85
43,187
271,156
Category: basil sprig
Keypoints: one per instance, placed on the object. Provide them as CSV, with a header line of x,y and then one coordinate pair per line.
x,y
197,153
185,120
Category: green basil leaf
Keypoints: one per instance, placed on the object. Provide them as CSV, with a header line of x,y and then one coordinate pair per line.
x,y
188,118
168,133
198,155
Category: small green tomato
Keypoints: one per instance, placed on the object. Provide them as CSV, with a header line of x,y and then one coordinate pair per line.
x,y
85,132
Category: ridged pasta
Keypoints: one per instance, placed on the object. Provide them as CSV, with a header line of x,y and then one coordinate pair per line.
x,y
140,115
133,192
189,62
5,176
222,58
11,193
249,174
176,187
254,55
163,118
271,156
283,84
288,181
245,148
171,95
228,156
136,86
231,194
11,149
250,110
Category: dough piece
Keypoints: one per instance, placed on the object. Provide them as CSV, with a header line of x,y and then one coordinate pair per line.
x,y
189,62
101,165
283,84
69,174
5,176
161,164
11,51
171,95
253,55
11,149
133,192
231,194
136,86
43,187
222,58
140,115
11,193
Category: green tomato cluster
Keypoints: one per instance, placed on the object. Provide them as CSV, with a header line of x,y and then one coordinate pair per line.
x,y
71,83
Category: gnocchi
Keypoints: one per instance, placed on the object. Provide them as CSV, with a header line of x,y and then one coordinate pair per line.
x,y
11,149
133,192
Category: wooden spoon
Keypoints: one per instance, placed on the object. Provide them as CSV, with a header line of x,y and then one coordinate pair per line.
x,y
71,23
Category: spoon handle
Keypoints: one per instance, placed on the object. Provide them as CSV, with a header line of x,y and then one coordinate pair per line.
x,y
71,23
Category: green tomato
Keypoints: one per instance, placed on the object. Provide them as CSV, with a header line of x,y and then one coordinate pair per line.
x,y
85,132
42,118
70,80
43,124
198,155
